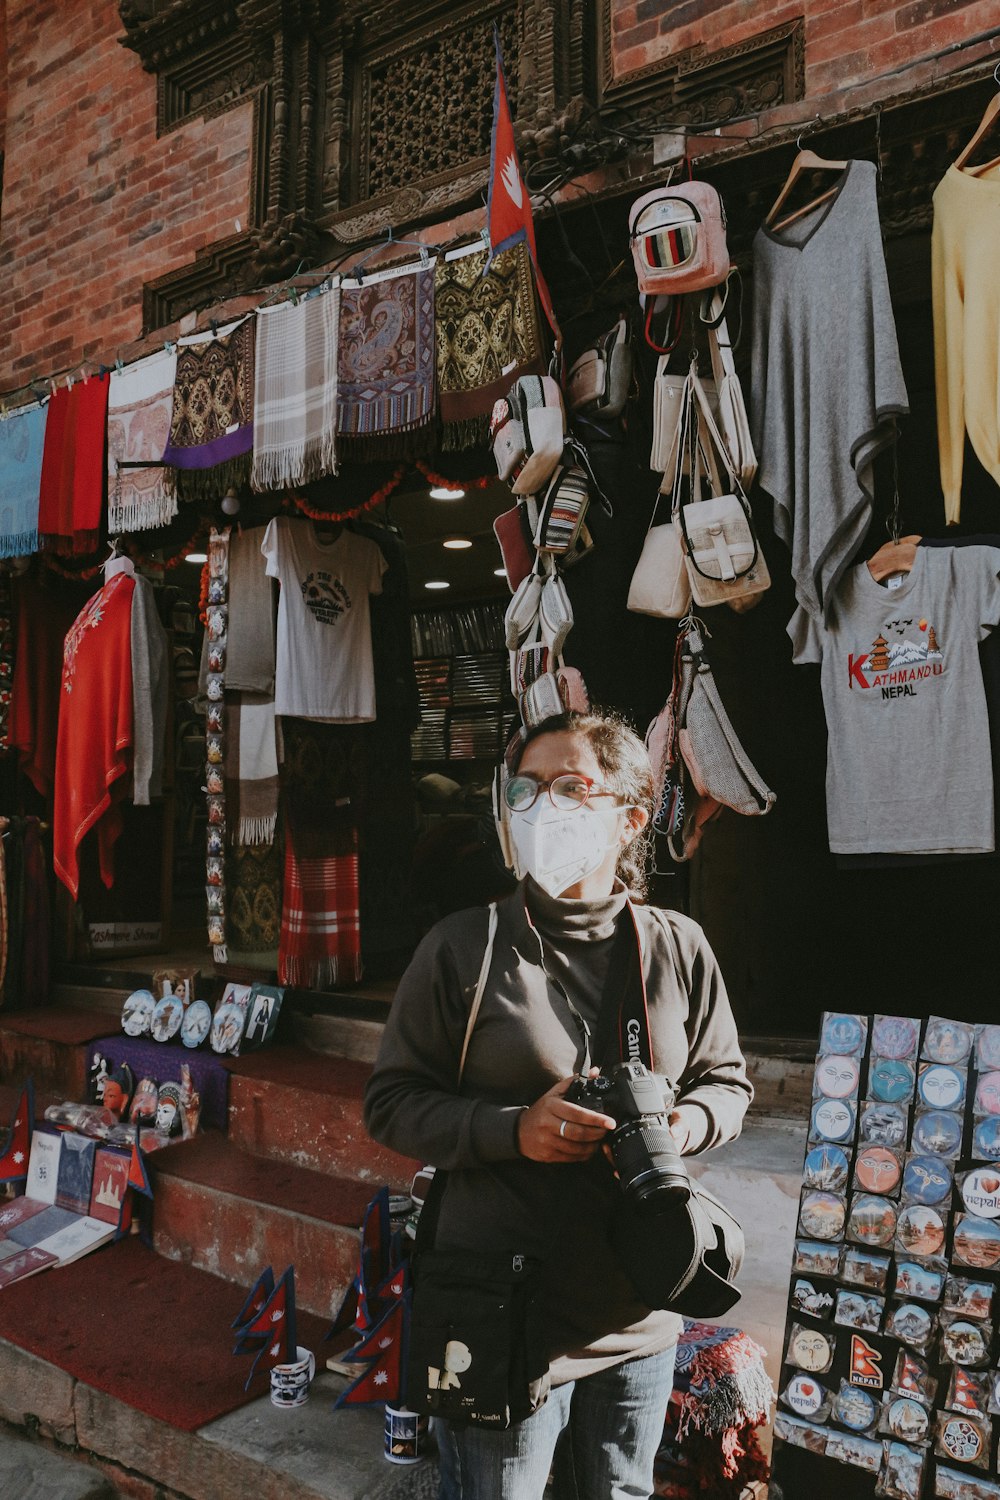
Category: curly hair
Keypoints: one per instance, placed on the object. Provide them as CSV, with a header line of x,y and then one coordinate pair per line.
x,y
626,768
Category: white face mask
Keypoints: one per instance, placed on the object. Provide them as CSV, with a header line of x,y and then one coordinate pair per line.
x,y
558,849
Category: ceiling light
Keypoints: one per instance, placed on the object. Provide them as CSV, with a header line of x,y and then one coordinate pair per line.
x,y
441,492
196,557
437,583
457,543
499,572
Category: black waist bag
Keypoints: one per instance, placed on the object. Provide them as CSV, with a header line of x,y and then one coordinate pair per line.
x,y
684,1258
475,1357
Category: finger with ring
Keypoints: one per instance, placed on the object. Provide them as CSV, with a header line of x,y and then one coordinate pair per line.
x,y
562,1129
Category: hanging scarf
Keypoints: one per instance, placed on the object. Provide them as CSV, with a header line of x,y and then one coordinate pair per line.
x,y
385,377
488,335
6,658
139,408
295,392
211,427
250,648
250,764
323,778
22,439
71,496
44,608
253,880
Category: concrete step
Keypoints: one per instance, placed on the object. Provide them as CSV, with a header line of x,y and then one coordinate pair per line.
x,y
49,1045
30,1471
292,1105
226,1211
781,1070
92,997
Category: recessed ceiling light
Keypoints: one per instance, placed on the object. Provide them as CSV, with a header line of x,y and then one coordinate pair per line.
x,y
196,557
441,492
499,572
457,543
437,583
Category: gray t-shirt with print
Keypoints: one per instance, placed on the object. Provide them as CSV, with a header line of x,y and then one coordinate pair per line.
x,y
908,758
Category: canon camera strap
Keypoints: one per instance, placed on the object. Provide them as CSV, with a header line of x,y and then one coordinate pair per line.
x,y
623,1005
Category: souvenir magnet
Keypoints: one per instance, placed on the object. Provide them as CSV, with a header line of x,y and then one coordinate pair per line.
x,y
214,718
902,1476
884,1124
810,1349
940,1086
197,1023
889,1081
912,1377
865,1268
872,1220
822,1215
866,1368
215,843
856,1310
167,1018
837,1077
227,1027
905,1418
144,1100
927,1180
981,1192
844,1034
988,1049
216,931
877,1169
964,1439
938,1133
918,1281
216,812
986,1139
137,1013
977,1242
214,782
213,749
215,870
949,1484
832,1120
969,1391
920,1230
988,1094
912,1325
966,1343
994,1404
972,1299
216,591
215,687
216,624
806,1299
947,1041
826,1167
895,1037
216,656
859,1452
854,1408
804,1395
799,1433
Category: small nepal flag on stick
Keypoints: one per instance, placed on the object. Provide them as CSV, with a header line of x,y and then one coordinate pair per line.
x,y
271,1332
16,1149
384,1346
508,207
256,1300
138,1177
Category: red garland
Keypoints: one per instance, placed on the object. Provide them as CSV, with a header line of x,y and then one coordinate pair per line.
x,y
453,484
85,574
377,498
203,594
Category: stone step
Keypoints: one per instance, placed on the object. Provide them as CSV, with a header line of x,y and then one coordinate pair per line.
x,y
224,1210
30,1471
292,1105
50,1046
93,997
781,1071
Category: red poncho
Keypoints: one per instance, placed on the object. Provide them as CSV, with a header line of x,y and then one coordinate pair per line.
x,y
95,730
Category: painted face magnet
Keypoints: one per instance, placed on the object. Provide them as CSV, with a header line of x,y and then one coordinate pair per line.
x,y
826,1167
920,1230
988,1094
822,1216
889,1081
988,1049
911,1324
895,1037
927,1179
809,1349
872,1220
986,1139
905,1419
965,1343
919,1281
884,1124
877,1170
843,1034
137,1013
977,1242
940,1086
981,1192
837,1077
832,1120
938,1132
854,1408
804,1395
947,1041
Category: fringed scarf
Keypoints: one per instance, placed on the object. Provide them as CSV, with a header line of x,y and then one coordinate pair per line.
x,y
253,879
323,779
385,377
295,392
6,658
139,408
22,440
71,498
250,763
211,426
488,335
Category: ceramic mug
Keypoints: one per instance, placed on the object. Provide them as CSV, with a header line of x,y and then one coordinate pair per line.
x,y
290,1382
404,1434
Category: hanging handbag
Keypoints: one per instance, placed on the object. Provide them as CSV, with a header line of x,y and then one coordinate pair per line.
x,y
724,559
527,431
555,613
475,1355
678,239
728,406
720,767
522,611
514,532
669,395
599,381
660,584
563,510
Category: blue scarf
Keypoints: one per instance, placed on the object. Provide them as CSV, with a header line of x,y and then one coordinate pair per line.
x,y
22,437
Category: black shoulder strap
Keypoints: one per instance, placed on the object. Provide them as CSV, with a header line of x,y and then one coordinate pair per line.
x,y
623,1020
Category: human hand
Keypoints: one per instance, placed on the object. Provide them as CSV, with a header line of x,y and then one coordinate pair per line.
x,y
677,1128
553,1129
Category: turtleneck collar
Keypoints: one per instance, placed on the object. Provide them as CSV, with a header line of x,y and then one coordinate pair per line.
x,y
587,921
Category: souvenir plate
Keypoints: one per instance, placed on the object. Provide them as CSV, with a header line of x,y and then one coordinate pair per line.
x,y
911,1324
227,1028
137,1013
947,1041
167,1018
927,1179
821,1216
895,1036
921,1282
965,1343
872,1220
938,1132
988,1048
988,1094
921,1230
977,1242
907,1419
843,1034
986,1139
804,1394
826,1167
877,1169
854,1408
941,1087
890,1081
884,1124
981,1192
837,1077
197,1023
832,1120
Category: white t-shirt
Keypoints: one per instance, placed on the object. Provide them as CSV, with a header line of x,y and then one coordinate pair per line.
x,y
324,659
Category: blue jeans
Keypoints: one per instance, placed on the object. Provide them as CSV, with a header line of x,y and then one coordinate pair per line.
x,y
612,1421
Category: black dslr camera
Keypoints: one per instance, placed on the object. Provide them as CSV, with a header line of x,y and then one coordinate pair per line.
x,y
649,1165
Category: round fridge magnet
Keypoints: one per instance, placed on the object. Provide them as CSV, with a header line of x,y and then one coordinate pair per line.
x,y
872,1220
832,1120
988,1094
843,1034
977,1242
942,1087
890,1081
895,1036
837,1077
821,1216
920,1230
986,1139
877,1169
927,1179
826,1167
938,1132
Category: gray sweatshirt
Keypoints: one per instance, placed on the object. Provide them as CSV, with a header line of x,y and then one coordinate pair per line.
x,y
526,1038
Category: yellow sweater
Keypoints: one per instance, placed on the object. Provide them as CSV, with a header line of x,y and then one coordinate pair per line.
x,y
965,274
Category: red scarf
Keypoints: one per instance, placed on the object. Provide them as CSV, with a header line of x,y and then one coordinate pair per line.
x,y
95,730
71,498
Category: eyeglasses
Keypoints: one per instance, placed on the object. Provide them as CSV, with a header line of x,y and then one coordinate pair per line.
x,y
566,792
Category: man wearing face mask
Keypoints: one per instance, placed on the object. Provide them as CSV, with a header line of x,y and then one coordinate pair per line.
x,y
526,1172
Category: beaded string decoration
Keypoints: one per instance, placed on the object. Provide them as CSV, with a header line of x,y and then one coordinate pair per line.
x,y
217,627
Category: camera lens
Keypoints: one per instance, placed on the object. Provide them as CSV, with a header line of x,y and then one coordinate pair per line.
x,y
649,1165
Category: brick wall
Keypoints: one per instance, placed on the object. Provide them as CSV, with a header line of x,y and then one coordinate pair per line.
x,y
93,203
848,42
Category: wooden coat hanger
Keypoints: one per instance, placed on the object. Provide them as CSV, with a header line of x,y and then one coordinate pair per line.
x,y
805,161
986,124
894,557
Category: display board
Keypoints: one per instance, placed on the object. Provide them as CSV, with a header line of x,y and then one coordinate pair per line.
x,y
890,1360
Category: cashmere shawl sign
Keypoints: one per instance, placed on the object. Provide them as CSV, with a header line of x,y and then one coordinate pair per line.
x,y
71,497
139,410
211,426
295,392
22,438
385,379
93,752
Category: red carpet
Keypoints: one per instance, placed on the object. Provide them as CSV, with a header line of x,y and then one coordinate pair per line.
x,y
150,1332
59,1024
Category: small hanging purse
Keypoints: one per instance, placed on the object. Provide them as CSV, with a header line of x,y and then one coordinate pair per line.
x,y
599,381
660,584
527,432
728,405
